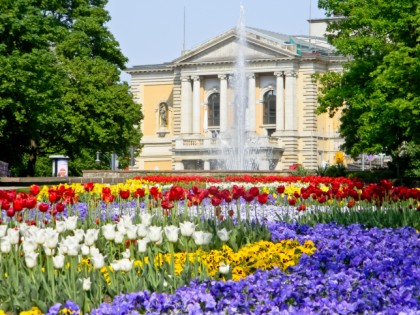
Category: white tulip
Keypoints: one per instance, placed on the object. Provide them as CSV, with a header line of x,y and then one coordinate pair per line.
x,y
60,226
85,250
155,234
86,284
93,251
30,259
126,254
223,234
108,230
91,236
121,227
71,243
146,219
40,236
23,227
142,245
224,269
80,234
119,237
142,230
5,246
48,251
171,232
131,231
3,230
115,265
126,264
58,261
126,219
13,236
98,261
187,228
29,245
202,238
51,238
71,223
31,232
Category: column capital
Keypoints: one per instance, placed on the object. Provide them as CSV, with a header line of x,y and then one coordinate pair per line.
x,y
222,76
250,75
291,74
186,78
279,73
195,78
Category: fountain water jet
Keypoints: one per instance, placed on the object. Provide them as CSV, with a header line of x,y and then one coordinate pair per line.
x,y
238,148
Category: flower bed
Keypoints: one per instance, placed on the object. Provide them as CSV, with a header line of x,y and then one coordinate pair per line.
x,y
213,246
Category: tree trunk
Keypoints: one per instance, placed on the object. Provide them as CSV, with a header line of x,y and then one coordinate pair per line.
x,y
32,158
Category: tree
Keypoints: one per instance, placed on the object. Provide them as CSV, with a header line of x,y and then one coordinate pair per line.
x,y
59,84
378,92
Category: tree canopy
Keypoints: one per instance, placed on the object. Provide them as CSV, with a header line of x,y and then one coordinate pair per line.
x,y
378,92
59,84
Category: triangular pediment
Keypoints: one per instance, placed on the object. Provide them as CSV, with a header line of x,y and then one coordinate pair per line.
x,y
226,47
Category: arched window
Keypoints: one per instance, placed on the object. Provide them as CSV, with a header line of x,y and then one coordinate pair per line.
x,y
269,102
213,106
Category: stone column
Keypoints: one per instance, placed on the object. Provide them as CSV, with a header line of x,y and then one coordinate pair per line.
x,y
251,103
206,165
279,101
290,117
223,103
186,106
196,105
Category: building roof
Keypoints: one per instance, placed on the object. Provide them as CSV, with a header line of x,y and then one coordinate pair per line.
x,y
288,45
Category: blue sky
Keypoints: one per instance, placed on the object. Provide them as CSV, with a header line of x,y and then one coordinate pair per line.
x,y
152,31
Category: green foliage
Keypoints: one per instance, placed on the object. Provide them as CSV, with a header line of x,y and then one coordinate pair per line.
x,y
59,85
379,90
336,170
300,171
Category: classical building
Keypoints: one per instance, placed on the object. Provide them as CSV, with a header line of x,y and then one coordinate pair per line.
x,y
189,104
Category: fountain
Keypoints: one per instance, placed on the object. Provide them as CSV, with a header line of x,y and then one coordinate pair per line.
x,y
238,148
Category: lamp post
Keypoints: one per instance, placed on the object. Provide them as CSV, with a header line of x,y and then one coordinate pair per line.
x,y
113,160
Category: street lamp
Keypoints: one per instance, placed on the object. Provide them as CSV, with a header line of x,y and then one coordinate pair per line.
x,y
113,161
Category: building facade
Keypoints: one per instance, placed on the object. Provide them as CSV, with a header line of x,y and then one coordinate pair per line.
x,y
189,103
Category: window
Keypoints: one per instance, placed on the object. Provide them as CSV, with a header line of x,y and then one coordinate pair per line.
x,y
213,106
269,108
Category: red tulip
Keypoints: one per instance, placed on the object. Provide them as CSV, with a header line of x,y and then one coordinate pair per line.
x,y
139,193
254,191
248,196
262,198
124,194
292,201
176,193
237,192
18,204
301,207
5,205
231,212
167,204
280,189
43,207
10,212
59,207
53,197
108,197
34,190
89,186
31,203
106,190
216,200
